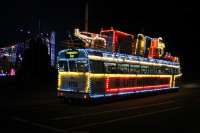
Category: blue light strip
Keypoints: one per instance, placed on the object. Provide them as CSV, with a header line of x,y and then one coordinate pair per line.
x,y
125,56
126,93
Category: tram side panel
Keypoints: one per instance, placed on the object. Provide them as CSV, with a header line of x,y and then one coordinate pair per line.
x,y
119,85
97,86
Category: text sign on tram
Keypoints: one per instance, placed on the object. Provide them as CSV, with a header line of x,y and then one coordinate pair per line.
x,y
72,53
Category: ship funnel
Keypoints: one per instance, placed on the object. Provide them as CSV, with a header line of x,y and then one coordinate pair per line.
x,y
76,32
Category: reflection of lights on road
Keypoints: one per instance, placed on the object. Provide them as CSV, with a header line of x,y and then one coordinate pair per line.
x,y
192,85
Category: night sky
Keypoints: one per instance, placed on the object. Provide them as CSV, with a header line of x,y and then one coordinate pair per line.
x,y
176,22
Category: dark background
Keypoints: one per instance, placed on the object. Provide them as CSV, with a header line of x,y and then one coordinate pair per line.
x,y
177,22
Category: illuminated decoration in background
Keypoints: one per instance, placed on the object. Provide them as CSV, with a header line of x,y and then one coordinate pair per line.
x,y
52,47
20,48
7,60
12,72
2,74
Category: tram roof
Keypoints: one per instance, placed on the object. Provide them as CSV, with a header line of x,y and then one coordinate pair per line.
x,y
103,55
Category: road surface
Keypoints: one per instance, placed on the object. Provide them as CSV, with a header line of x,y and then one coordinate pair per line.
x,y
171,112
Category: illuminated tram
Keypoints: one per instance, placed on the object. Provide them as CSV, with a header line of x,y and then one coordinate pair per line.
x,y
88,73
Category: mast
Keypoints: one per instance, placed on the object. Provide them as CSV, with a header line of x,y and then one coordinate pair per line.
x,y
86,16
39,27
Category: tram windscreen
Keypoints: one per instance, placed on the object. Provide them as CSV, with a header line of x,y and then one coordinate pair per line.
x,y
82,66
73,66
63,66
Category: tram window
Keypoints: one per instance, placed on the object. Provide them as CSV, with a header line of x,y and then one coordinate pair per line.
x,y
166,70
179,70
110,67
122,68
97,66
144,69
95,53
61,55
172,71
176,71
81,54
72,66
63,66
160,70
157,70
82,66
152,69
135,69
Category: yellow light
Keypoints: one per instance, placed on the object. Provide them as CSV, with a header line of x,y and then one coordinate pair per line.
x,y
78,74
87,88
85,97
101,75
92,75
179,75
176,76
93,57
126,75
170,82
72,73
59,81
72,52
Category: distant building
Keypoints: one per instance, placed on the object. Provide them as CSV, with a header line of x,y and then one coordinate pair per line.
x,y
51,45
7,60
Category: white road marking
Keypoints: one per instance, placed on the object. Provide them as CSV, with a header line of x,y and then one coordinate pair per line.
x,y
191,85
39,125
93,124
110,111
20,120
49,127
124,118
